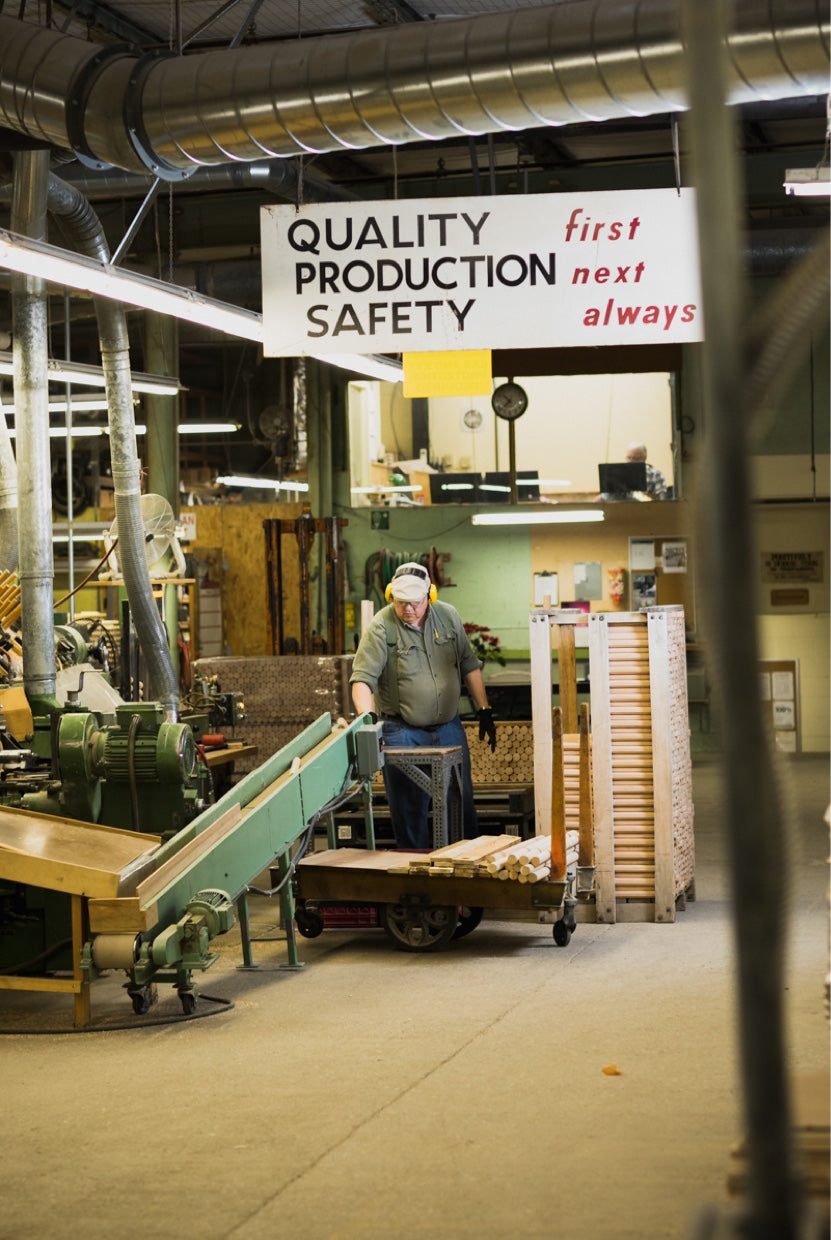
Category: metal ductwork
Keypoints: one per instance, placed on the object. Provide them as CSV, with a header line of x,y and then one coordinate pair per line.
x,y
553,65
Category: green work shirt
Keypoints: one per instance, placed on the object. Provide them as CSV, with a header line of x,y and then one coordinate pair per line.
x,y
431,663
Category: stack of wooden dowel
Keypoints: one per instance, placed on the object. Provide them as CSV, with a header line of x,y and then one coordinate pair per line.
x,y
9,609
632,782
530,860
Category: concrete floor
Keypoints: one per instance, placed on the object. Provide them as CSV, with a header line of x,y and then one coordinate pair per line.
x,y
378,1093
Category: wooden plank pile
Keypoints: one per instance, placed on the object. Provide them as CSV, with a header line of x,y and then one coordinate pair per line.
x,y
465,858
505,857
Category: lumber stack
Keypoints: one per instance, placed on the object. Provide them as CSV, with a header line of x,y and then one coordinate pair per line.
x,y
512,762
641,769
283,695
504,857
464,858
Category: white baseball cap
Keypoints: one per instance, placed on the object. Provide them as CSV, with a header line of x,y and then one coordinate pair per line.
x,y
410,583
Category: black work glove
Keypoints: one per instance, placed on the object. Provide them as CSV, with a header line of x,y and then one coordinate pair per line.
x,y
487,727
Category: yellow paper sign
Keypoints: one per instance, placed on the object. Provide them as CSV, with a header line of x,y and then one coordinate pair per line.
x,y
458,372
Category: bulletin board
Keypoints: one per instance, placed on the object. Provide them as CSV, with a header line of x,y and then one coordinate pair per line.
x,y
660,574
779,691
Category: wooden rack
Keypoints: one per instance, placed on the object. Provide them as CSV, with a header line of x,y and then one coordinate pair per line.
x,y
640,754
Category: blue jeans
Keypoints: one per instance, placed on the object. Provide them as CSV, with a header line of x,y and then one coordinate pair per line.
x,y
409,804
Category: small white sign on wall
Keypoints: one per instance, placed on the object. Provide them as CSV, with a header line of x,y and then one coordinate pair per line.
x,y
506,271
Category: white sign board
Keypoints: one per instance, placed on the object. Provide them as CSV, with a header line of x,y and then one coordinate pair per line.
x,y
504,271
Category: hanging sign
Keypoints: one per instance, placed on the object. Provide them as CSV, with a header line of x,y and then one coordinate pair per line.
x,y
504,271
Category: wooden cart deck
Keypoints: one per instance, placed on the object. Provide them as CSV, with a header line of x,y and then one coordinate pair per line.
x,y
362,876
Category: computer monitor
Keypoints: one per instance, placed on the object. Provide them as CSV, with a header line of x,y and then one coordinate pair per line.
x,y
495,487
621,478
454,488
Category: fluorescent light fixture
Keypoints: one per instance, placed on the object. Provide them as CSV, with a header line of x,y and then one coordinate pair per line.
x,y
197,428
90,432
809,182
208,428
364,364
82,375
82,405
90,275
457,486
557,517
77,432
260,484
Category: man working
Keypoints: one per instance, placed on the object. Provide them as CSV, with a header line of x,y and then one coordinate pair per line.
x,y
409,667
656,484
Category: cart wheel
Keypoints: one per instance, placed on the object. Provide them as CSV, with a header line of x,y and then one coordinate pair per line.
x,y
469,919
309,923
143,998
188,1001
416,929
562,934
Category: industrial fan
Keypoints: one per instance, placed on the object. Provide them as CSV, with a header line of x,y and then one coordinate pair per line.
x,y
161,547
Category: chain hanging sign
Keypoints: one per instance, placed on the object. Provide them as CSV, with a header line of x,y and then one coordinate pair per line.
x,y
505,271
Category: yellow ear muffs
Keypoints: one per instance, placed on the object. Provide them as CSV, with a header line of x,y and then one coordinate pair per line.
x,y
432,593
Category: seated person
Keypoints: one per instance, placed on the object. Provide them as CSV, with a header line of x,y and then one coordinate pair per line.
x,y
656,485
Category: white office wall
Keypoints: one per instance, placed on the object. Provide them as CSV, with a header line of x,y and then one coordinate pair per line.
x,y
572,423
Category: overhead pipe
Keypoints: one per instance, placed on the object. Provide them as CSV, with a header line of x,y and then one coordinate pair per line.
x,y
566,63
280,178
80,220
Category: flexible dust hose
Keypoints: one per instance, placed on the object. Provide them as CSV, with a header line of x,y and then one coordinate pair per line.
x,y
80,220
33,458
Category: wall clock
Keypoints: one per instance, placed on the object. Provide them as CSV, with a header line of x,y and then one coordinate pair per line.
x,y
509,401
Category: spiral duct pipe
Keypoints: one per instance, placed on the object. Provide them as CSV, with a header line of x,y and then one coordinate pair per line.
x,y
552,65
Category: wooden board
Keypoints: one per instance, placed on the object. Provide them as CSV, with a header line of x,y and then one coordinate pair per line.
x,y
61,854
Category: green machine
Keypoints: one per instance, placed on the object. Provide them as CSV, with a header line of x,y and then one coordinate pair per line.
x,y
186,892
140,771
154,909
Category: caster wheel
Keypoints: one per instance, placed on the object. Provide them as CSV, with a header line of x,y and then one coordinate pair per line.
x,y
310,924
143,999
469,919
419,929
562,934
188,1001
